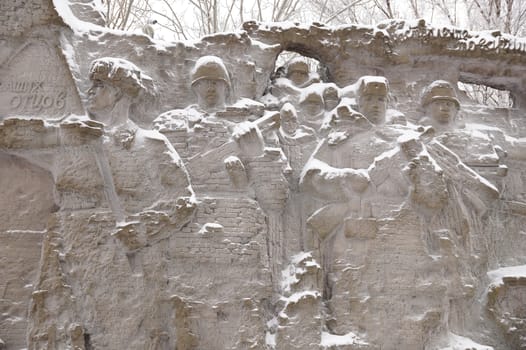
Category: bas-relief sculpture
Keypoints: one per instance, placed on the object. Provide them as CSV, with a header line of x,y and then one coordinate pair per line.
x,y
363,212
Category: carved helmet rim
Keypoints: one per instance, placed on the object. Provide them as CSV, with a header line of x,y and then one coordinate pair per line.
x,y
331,90
373,85
439,90
120,73
297,65
210,67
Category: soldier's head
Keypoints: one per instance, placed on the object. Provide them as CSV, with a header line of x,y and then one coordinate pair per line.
x,y
298,71
331,97
373,92
311,104
440,102
114,81
289,118
210,82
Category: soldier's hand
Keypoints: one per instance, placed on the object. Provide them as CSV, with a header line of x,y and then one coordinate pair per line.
x,y
356,179
249,139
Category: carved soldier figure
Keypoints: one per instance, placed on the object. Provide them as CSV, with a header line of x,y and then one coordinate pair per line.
x,y
441,105
289,88
331,96
356,178
296,140
113,93
345,165
476,150
312,108
115,85
108,163
358,175
298,72
290,130
372,98
210,83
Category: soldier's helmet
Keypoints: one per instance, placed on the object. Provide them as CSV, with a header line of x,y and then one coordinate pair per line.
x,y
210,67
373,85
121,74
297,65
439,90
331,92
311,96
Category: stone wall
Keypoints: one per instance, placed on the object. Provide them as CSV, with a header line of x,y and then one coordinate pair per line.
x,y
196,196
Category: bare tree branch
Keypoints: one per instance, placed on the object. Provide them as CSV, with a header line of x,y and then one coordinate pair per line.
x,y
334,15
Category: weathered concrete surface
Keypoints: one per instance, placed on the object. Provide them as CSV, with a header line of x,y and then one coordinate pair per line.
x,y
193,195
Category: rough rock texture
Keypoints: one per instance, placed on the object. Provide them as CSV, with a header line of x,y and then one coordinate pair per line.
x,y
193,195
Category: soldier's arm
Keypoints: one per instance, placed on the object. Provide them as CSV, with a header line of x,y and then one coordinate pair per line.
x,y
327,182
177,198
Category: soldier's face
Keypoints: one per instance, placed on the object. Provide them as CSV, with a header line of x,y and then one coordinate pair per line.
x,y
210,92
102,95
331,102
311,108
442,111
298,78
289,121
373,107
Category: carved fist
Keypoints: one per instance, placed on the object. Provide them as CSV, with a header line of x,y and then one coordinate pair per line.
x,y
249,139
130,236
236,172
184,210
357,180
429,186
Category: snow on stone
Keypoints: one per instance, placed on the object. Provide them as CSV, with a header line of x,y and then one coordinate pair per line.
x,y
367,79
514,140
469,170
476,126
482,179
387,154
270,339
80,27
336,137
316,88
297,258
289,274
476,133
328,340
285,25
247,103
64,11
296,297
350,91
425,153
408,134
263,46
230,159
211,227
327,171
118,66
69,53
270,334
457,342
150,134
205,60
497,275
241,129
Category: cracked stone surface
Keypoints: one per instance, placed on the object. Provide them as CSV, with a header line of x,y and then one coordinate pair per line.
x,y
194,195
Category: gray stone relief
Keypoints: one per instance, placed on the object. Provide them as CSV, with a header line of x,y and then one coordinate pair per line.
x,y
196,196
